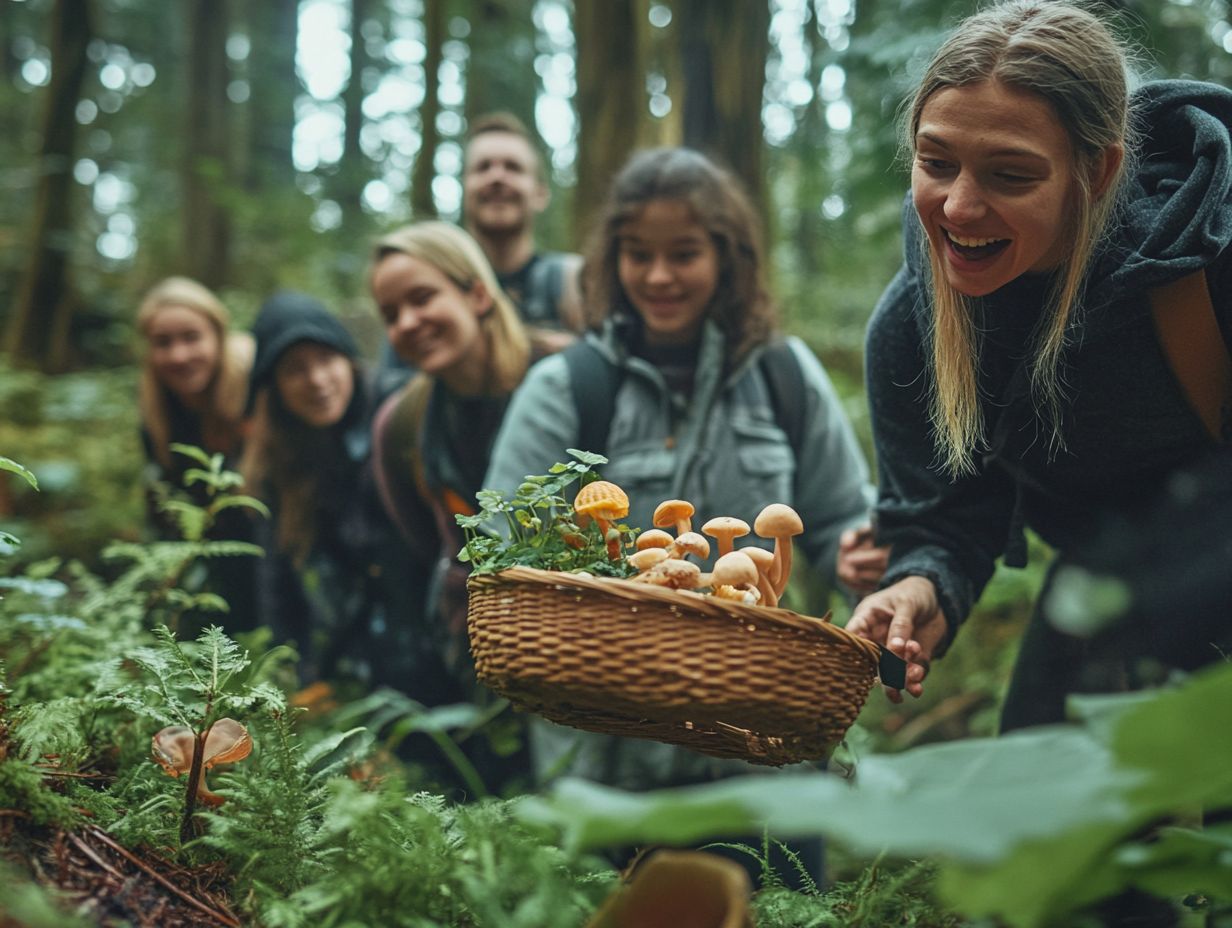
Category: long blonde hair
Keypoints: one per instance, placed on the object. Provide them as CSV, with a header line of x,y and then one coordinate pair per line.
x,y
223,407
456,255
1072,60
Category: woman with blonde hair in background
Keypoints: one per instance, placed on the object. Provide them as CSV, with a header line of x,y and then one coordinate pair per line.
x,y
193,386
446,316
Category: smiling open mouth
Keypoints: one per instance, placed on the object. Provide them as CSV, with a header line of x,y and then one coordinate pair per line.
x,y
974,249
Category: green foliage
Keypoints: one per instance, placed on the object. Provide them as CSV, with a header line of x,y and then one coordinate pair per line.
x,y
1030,828
28,905
21,787
538,526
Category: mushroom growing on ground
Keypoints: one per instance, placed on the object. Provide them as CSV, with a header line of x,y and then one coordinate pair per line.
x,y
725,530
604,502
780,522
677,512
173,747
764,559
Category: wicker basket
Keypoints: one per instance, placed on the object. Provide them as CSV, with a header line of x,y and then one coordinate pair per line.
x,y
613,656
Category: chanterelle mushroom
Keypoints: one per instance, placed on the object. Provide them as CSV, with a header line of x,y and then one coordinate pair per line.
x,y
227,742
604,502
674,573
780,522
677,512
725,530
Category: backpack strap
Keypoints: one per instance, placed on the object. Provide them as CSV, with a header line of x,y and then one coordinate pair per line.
x,y
544,285
594,380
785,381
1193,344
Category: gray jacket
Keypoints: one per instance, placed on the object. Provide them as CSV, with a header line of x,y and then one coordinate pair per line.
x,y
722,450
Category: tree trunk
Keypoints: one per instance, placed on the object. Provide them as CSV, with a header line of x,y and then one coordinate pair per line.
x,y
274,32
423,204
810,146
353,171
41,315
610,99
723,50
501,68
207,175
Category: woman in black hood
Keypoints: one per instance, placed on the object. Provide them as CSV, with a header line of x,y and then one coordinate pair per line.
x,y
334,579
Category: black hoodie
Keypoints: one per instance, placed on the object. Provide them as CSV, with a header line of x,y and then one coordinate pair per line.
x,y
1126,423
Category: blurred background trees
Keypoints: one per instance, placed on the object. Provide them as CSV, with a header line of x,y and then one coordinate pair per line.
x,y
262,145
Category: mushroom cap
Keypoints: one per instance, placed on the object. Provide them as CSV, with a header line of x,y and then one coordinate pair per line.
x,y
692,543
760,556
227,742
726,527
653,538
647,558
674,573
735,568
172,748
601,500
778,520
670,511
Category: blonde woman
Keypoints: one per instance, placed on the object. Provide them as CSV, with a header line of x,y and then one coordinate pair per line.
x,y
1016,376
194,377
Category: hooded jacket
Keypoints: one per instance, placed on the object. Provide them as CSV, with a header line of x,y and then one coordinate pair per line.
x,y
1126,423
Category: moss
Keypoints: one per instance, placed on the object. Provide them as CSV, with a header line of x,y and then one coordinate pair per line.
x,y
22,788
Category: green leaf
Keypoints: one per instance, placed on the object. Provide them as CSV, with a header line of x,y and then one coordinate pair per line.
x,y
8,464
588,457
191,451
233,502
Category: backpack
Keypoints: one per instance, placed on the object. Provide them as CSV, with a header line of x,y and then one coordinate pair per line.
x,y
594,380
540,304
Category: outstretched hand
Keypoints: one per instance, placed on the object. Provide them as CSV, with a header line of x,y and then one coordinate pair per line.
x,y
907,619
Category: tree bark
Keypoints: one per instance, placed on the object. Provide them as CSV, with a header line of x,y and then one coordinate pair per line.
x,y
501,69
274,33
353,171
723,50
610,99
40,319
423,203
206,227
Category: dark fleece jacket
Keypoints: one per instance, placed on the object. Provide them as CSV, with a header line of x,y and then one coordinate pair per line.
x,y
1126,423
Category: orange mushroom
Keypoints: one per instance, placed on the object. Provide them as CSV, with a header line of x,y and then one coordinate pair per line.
x,y
227,742
725,530
653,538
690,543
673,573
736,570
780,522
677,512
764,559
647,558
604,502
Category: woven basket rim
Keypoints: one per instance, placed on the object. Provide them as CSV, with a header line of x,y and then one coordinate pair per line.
x,y
682,599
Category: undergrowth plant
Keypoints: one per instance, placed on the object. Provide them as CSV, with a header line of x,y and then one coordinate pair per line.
x,y
535,527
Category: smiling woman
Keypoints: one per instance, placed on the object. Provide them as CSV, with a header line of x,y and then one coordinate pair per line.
x,y
1020,368
335,579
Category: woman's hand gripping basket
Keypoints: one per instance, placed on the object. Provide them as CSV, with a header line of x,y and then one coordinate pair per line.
x,y
651,657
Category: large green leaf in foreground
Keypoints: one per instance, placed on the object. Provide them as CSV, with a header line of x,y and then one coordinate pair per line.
x,y
1027,826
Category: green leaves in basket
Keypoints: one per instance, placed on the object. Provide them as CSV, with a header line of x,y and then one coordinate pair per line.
x,y
535,527
1028,827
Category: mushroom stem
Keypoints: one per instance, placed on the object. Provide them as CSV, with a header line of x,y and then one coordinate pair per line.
x,y
768,595
782,550
683,526
196,781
